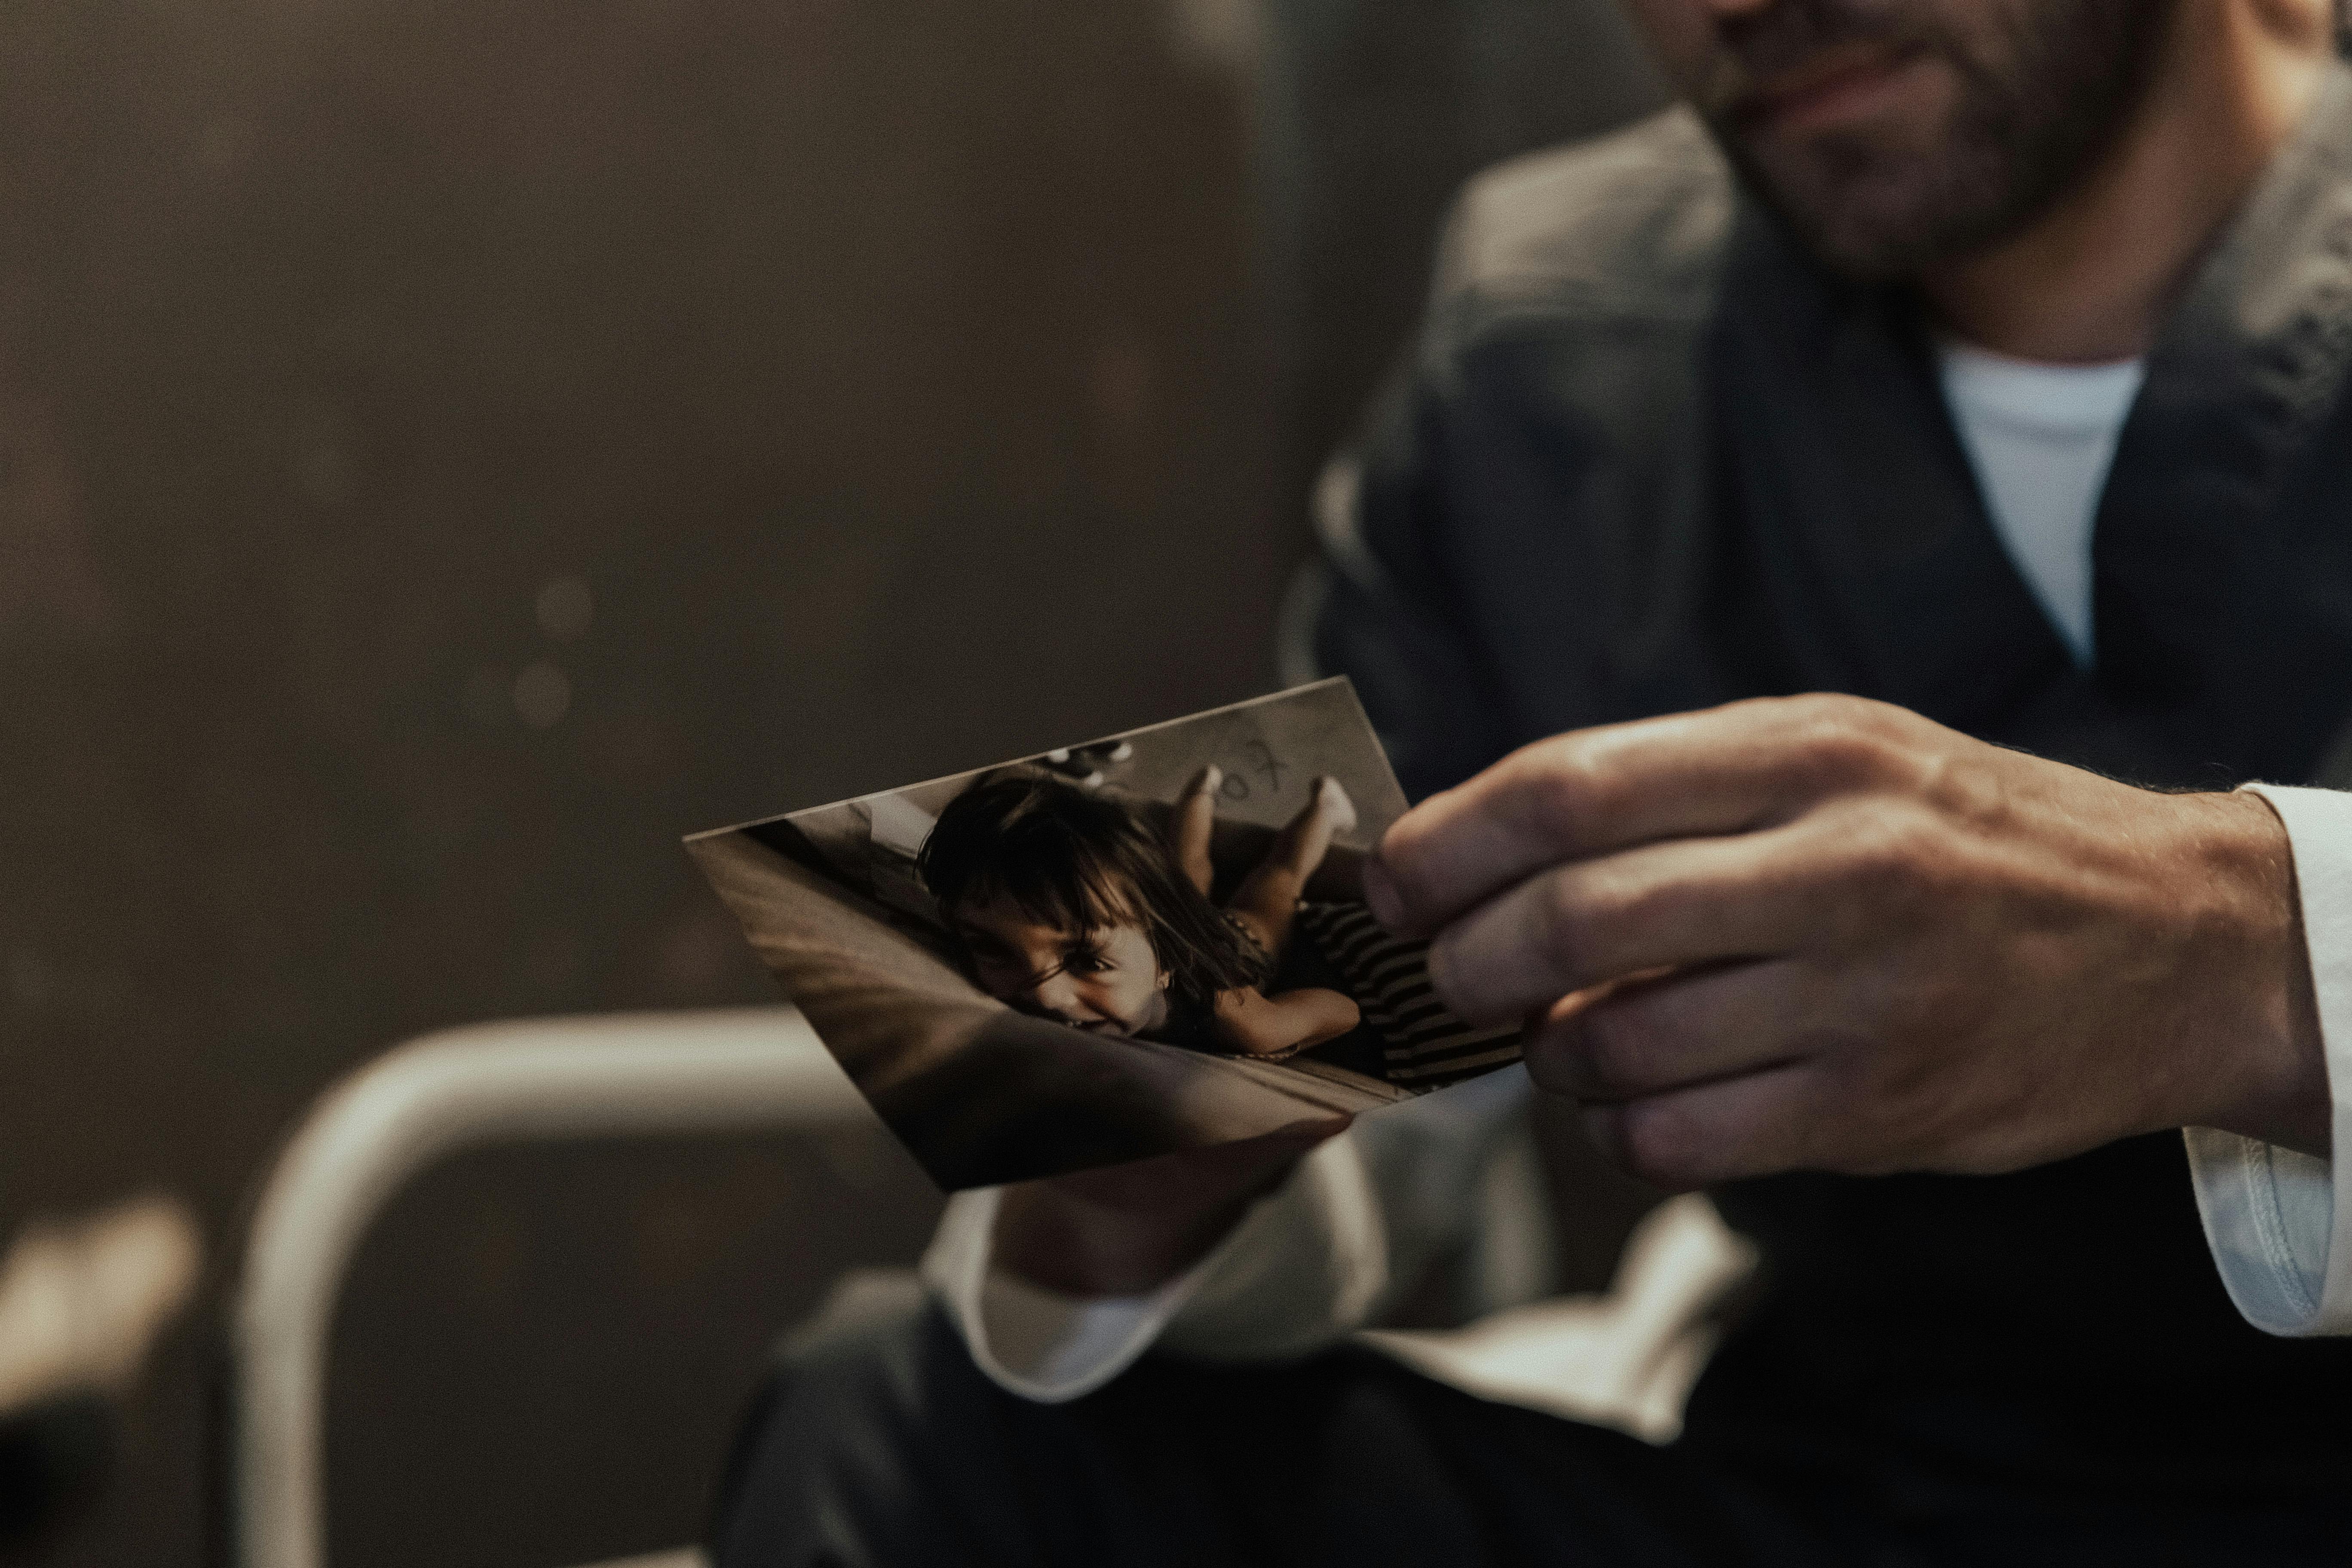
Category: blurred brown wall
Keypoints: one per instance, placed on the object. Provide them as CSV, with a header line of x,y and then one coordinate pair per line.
x,y
908,382
882,368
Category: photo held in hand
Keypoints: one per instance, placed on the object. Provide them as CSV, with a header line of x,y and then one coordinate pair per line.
x,y
1148,945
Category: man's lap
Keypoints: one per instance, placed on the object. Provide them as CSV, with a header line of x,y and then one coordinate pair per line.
x,y
883,1445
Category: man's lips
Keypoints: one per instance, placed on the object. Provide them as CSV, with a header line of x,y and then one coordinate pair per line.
x,y
1844,82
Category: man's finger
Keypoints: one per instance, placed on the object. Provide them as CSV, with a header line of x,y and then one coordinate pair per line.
x,y
1720,1130
1662,906
1593,792
1649,1035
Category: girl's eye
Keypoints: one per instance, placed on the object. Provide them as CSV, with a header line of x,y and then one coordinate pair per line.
x,y
1086,961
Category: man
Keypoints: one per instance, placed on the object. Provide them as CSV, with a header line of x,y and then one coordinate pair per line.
x,y
1815,385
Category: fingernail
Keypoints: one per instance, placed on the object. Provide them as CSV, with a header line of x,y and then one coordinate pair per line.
x,y
1381,896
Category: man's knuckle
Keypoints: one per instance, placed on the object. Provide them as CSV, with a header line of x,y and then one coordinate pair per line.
x,y
1839,744
1558,789
1573,916
1811,706
1893,856
1845,754
1960,788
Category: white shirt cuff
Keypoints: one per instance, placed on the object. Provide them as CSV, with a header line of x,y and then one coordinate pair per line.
x,y
2280,1223
1303,1267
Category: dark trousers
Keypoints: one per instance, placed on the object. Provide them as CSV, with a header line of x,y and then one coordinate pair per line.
x,y
883,1445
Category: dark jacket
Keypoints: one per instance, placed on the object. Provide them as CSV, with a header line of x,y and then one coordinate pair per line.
x,y
1648,456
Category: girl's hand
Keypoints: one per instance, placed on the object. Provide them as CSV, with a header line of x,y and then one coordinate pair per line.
x,y
1269,897
1195,822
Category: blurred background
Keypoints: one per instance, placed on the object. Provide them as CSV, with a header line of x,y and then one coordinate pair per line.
x,y
448,451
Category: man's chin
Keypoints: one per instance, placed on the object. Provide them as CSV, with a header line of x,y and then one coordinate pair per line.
x,y
1869,212
1876,181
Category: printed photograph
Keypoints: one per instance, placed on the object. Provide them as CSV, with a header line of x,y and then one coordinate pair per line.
x,y
1148,942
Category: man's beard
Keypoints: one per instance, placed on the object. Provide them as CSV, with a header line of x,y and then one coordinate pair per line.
x,y
2042,88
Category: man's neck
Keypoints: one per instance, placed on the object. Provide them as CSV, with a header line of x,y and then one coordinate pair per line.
x,y
2091,280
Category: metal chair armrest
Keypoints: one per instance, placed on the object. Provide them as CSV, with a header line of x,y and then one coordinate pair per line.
x,y
528,1081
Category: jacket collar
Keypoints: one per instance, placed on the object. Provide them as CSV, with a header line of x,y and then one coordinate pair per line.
x,y
1860,497
1835,409
2243,379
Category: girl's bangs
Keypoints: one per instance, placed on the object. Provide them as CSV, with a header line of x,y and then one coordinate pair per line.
x,y
1072,890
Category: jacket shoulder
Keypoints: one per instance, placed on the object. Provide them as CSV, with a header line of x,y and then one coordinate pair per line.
x,y
1632,223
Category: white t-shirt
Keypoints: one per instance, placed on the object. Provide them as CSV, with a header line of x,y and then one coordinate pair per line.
x,y
2040,437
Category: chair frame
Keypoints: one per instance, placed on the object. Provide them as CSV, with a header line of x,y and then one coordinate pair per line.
x,y
531,1081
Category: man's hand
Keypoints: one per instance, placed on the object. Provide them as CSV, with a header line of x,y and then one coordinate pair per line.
x,y
1129,1228
1824,933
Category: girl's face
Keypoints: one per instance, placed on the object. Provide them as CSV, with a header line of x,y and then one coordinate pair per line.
x,y
1107,982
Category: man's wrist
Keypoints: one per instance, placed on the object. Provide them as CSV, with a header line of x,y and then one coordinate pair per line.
x,y
2276,1088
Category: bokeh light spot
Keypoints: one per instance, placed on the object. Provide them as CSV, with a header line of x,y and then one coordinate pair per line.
x,y
566,608
542,694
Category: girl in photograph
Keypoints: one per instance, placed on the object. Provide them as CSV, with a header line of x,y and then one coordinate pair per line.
x,y
1069,906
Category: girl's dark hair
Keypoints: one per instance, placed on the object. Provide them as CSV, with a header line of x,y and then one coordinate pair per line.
x,y
1081,861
